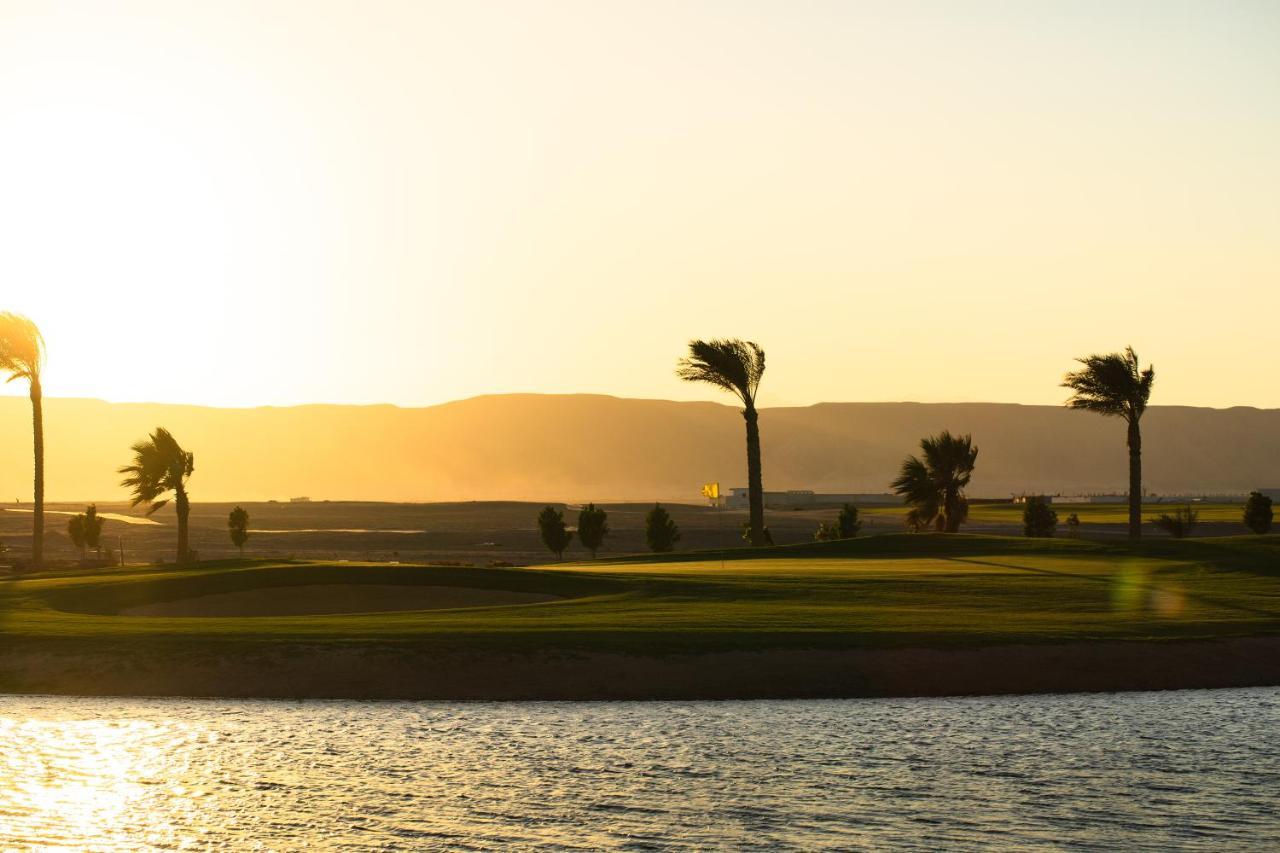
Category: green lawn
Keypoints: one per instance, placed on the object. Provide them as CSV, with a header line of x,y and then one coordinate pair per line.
x,y
1118,514
880,590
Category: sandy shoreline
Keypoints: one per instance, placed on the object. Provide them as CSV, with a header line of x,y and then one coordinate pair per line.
x,y
297,671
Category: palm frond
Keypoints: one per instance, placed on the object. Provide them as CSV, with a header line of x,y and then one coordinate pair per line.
x,y
729,364
924,484
1111,384
160,465
21,347
919,491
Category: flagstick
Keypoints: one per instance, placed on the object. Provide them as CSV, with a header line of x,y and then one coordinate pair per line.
x,y
720,529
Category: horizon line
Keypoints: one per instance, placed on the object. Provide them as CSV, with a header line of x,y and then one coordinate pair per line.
x,y
600,395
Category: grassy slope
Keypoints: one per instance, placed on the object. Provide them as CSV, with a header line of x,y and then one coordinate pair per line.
x,y
882,590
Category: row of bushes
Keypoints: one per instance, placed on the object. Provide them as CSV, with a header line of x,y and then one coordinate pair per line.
x,y
1040,520
660,530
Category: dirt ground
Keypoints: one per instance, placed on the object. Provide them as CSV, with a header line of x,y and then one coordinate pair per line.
x,y
399,672
480,533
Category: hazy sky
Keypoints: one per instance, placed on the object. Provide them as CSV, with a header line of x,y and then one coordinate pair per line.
x,y
412,202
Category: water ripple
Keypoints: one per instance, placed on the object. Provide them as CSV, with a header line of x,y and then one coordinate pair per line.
x,y
1192,769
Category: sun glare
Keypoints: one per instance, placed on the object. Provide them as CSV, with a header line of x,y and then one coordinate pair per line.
x,y
216,204
83,781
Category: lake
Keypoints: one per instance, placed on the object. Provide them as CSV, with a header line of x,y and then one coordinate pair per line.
x,y
1142,770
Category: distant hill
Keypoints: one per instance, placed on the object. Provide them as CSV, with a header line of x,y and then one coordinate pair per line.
x,y
579,447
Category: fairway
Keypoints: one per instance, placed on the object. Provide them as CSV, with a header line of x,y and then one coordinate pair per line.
x,y
894,614
1117,514
323,599
890,589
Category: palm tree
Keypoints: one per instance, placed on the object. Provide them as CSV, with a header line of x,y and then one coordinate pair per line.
x,y
22,356
1113,385
934,486
160,466
735,366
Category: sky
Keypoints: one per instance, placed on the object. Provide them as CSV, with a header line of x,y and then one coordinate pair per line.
x,y
270,203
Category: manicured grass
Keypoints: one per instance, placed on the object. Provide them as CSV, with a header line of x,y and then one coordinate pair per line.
x,y
1118,514
880,590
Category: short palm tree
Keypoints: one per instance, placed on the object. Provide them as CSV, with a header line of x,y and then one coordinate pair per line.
x,y
735,366
160,466
1113,385
934,486
22,357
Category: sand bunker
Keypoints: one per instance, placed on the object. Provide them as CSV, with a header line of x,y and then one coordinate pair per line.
x,y
335,598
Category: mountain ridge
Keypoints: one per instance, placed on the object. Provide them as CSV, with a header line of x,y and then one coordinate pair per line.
x,y
598,446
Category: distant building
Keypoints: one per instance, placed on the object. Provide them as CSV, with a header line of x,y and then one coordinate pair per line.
x,y
1195,499
301,500
1146,499
1090,499
1075,499
807,498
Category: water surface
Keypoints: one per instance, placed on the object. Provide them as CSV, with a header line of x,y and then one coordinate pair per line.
x,y
1190,769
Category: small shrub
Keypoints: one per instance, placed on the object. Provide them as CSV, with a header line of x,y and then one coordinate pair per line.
x,y
1038,519
1257,513
238,527
846,526
593,527
827,532
93,529
660,530
1180,523
75,530
848,521
1073,525
554,533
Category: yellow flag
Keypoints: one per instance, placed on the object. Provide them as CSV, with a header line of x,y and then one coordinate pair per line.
x,y
711,490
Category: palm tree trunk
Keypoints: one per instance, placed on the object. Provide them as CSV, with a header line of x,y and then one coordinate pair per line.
x,y
37,429
183,506
951,506
755,485
1135,480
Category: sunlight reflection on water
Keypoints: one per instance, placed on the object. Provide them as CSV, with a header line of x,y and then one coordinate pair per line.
x,y
109,516
1139,770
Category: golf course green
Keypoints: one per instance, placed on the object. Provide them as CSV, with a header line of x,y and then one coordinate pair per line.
x,y
879,615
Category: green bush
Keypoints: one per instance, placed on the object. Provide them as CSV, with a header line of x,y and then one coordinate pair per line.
x,y
827,532
554,533
660,531
848,521
1183,520
1257,513
593,527
1038,519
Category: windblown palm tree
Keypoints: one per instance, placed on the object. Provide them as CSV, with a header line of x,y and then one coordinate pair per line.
x,y
160,466
735,366
1113,385
22,356
934,486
